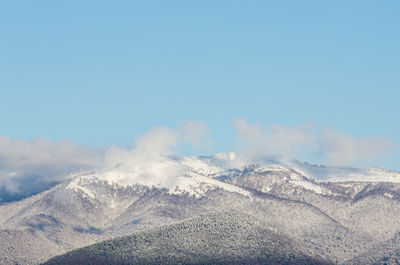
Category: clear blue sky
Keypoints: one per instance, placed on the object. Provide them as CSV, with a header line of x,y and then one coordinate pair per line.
x,y
101,72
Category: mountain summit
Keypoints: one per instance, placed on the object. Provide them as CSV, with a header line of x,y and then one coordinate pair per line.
x,y
331,214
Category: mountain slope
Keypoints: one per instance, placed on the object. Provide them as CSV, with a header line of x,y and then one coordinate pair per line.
x,y
222,238
386,253
336,220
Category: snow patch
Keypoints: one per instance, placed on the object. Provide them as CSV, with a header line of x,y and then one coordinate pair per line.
x,y
388,195
179,175
76,186
310,186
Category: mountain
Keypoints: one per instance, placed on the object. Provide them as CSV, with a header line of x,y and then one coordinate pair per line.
x,y
387,252
335,213
220,238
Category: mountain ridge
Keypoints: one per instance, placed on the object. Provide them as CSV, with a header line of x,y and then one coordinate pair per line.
x,y
201,244
337,220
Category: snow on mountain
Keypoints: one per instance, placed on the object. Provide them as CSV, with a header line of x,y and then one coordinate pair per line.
x,y
345,174
336,212
177,175
197,175
219,238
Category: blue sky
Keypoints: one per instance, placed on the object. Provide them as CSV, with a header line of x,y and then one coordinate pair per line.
x,y
101,72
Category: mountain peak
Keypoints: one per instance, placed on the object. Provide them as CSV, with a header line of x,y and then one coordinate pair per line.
x,y
196,175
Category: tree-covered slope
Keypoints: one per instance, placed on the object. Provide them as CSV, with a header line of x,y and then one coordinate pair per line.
x,y
386,253
220,238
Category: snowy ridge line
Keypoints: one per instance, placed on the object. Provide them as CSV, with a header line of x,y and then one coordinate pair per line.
x,y
196,175
191,183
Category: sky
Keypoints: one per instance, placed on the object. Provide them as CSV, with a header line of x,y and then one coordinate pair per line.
x,y
85,75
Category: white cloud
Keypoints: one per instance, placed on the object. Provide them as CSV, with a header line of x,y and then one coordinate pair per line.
x,y
343,149
42,156
157,144
306,140
150,147
30,166
273,139
194,133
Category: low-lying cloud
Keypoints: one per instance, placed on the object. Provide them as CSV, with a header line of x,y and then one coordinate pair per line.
x,y
28,167
158,143
307,140
343,149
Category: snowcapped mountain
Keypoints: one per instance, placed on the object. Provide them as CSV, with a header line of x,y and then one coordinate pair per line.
x,y
337,213
197,175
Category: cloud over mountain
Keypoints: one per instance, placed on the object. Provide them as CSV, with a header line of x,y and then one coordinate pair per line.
x,y
335,148
27,167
